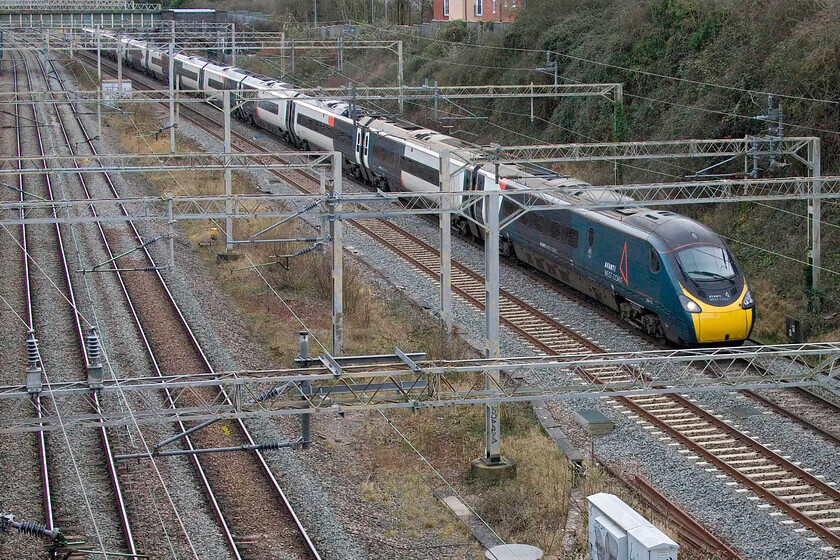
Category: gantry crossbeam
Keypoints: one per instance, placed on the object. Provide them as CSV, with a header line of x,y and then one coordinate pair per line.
x,y
610,91
389,93
76,5
382,204
664,149
198,38
131,163
428,384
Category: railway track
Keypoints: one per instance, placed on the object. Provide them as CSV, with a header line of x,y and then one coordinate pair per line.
x,y
31,485
802,496
238,490
49,259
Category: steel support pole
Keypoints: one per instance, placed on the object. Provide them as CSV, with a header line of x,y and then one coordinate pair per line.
x,y
172,95
400,73
292,59
532,101
445,246
322,190
337,235
99,83
228,177
171,235
492,451
305,389
233,44
815,211
340,55
435,112
282,55
119,68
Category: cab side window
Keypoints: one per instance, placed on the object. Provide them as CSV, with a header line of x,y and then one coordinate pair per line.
x,y
591,237
654,260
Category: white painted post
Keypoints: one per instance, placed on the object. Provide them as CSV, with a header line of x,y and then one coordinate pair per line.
x,y
171,235
172,93
282,54
492,453
532,101
99,83
400,74
233,44
228,177
322,190
337,234
445,246
815,211
119,65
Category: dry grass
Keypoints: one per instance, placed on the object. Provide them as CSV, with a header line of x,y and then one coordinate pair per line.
x,y
531,508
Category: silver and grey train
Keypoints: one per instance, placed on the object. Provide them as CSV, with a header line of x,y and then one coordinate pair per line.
x,y
664,273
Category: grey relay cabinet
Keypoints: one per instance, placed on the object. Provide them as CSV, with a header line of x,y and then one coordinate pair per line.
x,y
618,532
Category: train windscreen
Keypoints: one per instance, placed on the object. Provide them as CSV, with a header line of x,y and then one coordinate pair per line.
x,y
706,262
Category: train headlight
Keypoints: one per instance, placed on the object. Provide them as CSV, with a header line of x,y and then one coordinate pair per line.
x,y
689,305
748,300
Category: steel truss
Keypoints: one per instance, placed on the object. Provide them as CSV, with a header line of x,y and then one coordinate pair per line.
x,y
76,5
132,163
346,93
198,36
428,384
364,204
664,149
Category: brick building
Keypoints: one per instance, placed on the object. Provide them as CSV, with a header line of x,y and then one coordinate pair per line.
x,y
475,10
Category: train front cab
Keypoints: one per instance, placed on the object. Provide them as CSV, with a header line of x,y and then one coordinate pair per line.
x,y
713,293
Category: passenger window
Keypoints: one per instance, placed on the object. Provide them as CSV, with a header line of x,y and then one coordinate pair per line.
x,y
572,237
591,236
654,260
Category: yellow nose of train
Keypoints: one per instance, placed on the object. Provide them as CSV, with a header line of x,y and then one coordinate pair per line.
x,y
722,323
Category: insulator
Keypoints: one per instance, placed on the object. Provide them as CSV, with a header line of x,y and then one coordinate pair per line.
x,y
28,527
93,348
32,354
268,394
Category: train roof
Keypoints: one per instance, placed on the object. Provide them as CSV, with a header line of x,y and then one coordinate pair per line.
x,y
666,230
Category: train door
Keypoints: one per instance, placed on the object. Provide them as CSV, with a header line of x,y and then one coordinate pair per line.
x,y
241,104
472,182
290,123
361,150
654,274
201,72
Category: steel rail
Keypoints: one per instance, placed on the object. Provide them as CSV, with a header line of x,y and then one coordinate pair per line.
x,y
197,347
49,516
170,399
112,471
